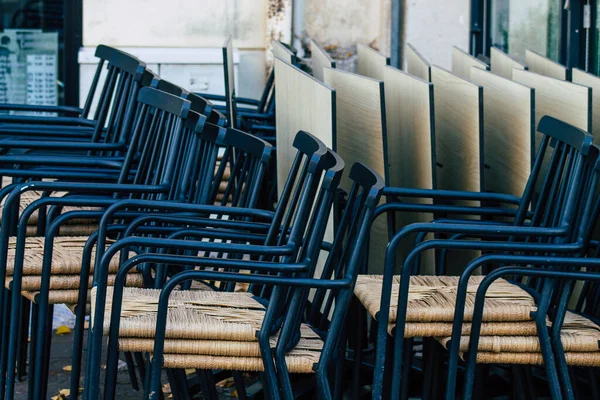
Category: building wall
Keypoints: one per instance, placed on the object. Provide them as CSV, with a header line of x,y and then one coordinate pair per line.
x,y
347,22
190,27
434,27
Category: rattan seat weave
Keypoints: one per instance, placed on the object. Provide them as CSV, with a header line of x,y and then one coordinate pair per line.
x,y
201,314
434,329
64,296
577,359
432,299
578,334
67,255
214,347
297,361
205,330
63,282
30,196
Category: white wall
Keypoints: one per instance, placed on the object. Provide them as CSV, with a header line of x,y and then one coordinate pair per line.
x,y
433,27
188,28
347,22
174,23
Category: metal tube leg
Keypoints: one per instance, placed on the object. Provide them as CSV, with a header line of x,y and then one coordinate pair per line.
x,y
240,386
361,325
34,321
78,333
131,370
24,334
47,348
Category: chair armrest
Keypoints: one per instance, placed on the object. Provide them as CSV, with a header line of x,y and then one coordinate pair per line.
x,y
451,195
60,145
74,161
32,107
245,100
69,121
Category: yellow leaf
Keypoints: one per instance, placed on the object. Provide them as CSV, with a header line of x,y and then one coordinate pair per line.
x,y
63,330
62,395
67,368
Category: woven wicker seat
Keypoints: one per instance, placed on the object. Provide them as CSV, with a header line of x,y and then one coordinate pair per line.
x,y
205,329
434,329
578,334
432,299
66,256
72,227
579,359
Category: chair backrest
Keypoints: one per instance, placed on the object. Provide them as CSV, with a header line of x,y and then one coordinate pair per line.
x,y
117,98
229,82
564,183
347,251
198,104
156,137
300,189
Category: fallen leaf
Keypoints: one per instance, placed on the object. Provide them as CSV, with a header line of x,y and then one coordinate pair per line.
x,y
225,383
67,368
63,330
62,395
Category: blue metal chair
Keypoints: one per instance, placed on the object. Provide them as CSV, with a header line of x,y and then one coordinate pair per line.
x,y
559,272
123,79
146,169
278,233
198,179
334,284
570,171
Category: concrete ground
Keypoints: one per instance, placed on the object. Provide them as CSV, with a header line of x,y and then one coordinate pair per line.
x,y
58,380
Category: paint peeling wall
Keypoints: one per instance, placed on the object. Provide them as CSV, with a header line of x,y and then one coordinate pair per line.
x,y
434,27
174,23
344,23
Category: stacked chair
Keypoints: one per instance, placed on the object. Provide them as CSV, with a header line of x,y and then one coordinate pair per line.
x,y
556,220
154,192
154,217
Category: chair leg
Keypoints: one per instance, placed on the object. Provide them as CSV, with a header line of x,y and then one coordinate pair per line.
x,y
40,356
240,386
406,368
77,355
22,345
431,369
34,322
47,347
357,344
207,384
141,365
178,384
131,370
4,348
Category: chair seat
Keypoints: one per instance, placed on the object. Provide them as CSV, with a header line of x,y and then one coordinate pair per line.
x,y
65,282
578,334
432,299
205,330
576,359
66,257
30,196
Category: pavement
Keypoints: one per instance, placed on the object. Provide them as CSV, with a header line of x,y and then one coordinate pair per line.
x,y
60,374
